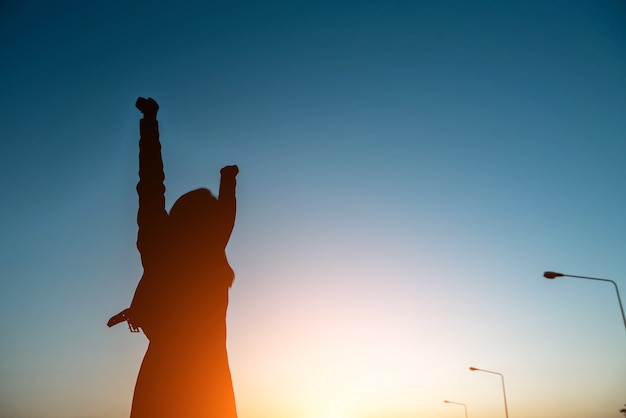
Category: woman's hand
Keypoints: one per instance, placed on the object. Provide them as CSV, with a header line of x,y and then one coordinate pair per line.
x,y
149,107
230,170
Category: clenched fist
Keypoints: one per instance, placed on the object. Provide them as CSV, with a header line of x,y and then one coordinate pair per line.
x,y
230,170
148,107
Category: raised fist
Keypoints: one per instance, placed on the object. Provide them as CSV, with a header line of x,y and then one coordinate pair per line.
x,y
230,170
148,107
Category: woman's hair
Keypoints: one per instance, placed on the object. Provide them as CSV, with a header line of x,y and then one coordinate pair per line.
x,y
192,226
192,217
194,203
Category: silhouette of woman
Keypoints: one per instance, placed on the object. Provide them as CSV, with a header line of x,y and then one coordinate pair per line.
x,y
182,297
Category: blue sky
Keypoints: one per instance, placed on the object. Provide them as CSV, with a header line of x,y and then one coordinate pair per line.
x,y
408,171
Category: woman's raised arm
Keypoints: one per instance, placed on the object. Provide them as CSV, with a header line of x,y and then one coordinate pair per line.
x,y
227,202
151,216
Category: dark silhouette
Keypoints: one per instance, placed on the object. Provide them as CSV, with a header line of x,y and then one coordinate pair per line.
x,y
181,300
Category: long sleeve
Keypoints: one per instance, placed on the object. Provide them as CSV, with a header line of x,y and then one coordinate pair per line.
x,y
228,205
151,216
145,309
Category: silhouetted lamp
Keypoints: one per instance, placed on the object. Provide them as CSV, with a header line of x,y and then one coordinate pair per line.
x,y
476,369
553,275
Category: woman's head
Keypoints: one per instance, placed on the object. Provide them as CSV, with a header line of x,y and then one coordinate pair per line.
x,y
192,218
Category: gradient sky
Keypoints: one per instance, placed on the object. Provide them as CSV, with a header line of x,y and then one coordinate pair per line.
x,y
409,169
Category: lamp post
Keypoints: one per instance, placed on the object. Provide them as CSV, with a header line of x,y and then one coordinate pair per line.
x,y
554,275
506,409
459,403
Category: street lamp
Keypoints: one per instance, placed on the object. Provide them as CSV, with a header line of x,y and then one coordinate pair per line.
x,y
506,409
459,403
554,275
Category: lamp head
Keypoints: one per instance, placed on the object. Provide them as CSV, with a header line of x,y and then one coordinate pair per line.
x,y
552,275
